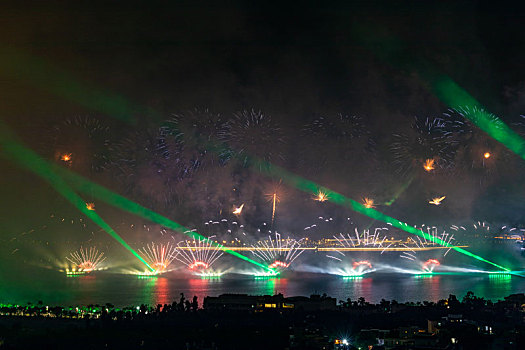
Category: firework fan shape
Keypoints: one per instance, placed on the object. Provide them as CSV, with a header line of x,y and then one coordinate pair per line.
x,y
198,255
367,238
434,239
82,143
345,243
276,252
251,133
158,256
429,140
86,260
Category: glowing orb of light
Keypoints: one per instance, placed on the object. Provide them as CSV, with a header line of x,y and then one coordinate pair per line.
x,y
66,157
486,155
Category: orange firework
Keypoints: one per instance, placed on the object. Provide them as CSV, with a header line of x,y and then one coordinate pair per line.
x,y
437,200
428,165
321,196
237,210
66,157
368,203
90,206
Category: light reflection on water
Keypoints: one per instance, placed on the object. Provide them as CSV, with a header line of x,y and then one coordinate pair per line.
x,y
124,290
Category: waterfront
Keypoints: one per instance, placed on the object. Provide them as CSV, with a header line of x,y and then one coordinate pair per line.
x,y
124,290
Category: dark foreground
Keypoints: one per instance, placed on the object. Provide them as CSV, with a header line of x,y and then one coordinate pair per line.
x,y
270,322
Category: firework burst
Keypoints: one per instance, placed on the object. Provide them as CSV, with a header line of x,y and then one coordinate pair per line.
x,y
158,256
479,156
430,265
238,210
429,144
368,203
437,200
86,260
200,137
251,133
321,196
82,143
198,255
345,243
433,238
276,252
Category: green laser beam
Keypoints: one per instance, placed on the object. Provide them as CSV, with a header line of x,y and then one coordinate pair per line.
x,y
26,158
45,76
84,185
454,96
400,191
391,50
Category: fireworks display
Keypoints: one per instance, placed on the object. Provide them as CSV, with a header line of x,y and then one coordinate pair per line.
x,y
429,165
238,210
278,253
159,256
437,200
198,255
303,145
368,203
321,196
86,260
430,265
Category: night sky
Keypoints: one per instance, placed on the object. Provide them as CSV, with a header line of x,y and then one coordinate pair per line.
x,y
169,103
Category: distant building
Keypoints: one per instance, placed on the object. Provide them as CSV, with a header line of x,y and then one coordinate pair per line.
x,y
258,303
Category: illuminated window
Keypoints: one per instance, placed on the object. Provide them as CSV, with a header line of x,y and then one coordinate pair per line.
x,y
270,306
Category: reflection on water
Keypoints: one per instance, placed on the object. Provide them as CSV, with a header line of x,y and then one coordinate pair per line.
x,y
162,291
124,290
501,282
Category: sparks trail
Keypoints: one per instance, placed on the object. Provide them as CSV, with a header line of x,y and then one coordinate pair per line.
x,y
158,256
198,255
275,253
274,199
87,260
